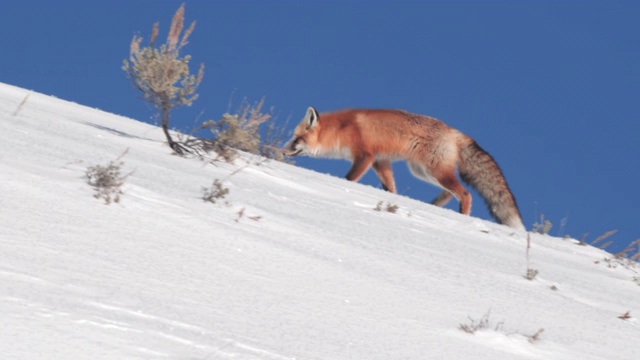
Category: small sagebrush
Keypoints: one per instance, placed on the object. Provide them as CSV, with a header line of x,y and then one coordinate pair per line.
x,y
484,324
241,214
481,324
214,193
240,130
531,274
625,316
630,252
107,180
388,207
542,227
273,139
535,336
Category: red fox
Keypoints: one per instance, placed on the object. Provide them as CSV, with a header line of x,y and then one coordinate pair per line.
x,y
375,138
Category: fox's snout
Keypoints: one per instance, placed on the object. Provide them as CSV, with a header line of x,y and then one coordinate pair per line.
x,y
294,147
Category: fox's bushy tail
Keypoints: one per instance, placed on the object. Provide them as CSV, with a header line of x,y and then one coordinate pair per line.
x,y
479,170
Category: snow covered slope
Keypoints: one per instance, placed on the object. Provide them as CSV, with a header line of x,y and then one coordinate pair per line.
x,y
292,264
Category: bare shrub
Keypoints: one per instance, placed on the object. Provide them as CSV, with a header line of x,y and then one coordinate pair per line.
x,y
602,237
628,258
535,336
485,324
240,214
162,74
274,139
214,193
238,133
531,274
482,324
607,234
625,316
582,241
201,147
241,131
628,251
388,207
107,180
542,227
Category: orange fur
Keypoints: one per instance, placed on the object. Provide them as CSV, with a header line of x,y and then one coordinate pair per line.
x,y
375,138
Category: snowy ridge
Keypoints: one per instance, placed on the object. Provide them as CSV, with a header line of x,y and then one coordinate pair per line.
x,y
317,274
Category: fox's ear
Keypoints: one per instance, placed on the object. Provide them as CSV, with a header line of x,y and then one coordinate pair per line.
x,y
311,118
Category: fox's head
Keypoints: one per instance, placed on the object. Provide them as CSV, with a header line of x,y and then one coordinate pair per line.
x,y
305,136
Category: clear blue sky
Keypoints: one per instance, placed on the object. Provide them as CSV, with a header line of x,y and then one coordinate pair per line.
x,y
549,88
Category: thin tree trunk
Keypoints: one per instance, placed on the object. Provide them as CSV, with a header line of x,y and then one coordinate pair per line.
x,y
166,108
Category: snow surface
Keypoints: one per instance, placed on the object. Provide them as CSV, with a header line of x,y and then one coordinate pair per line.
x,y
309,271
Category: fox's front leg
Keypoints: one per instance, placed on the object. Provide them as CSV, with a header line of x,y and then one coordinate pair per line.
x,y
385,174
360,165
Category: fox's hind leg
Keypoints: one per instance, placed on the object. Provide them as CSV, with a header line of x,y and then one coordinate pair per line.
x,y
385,174
442,199
445,178
451,183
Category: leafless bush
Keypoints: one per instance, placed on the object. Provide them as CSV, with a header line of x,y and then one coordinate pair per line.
x,y
485,324
388,207
202,147
240,214
602,237
542,227
535,336
241,131
531,274
107,180
630,252
274,139
481,324
214,193
625,316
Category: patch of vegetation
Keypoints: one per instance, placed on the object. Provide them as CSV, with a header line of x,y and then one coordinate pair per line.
x,y
241,214
542,227
625,316
484,324
162,74
531,274
388,207
107,180
214,193
481,324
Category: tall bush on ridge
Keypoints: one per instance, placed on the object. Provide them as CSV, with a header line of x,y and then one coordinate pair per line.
x,y
162,74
